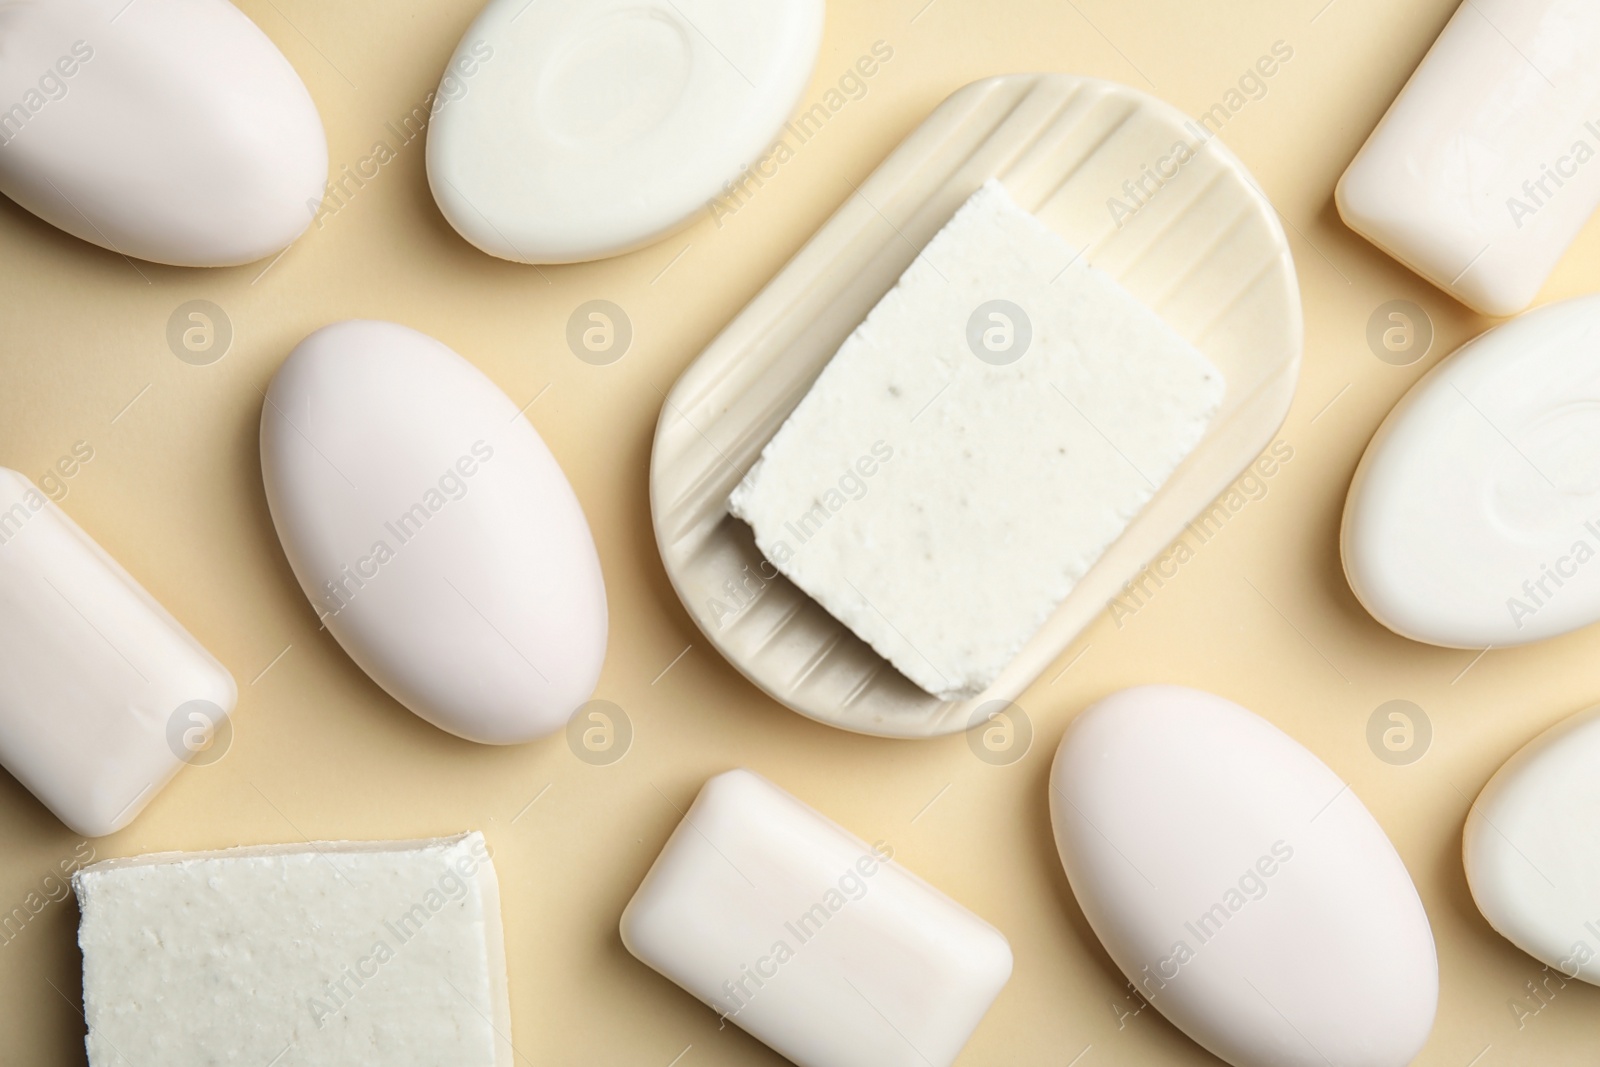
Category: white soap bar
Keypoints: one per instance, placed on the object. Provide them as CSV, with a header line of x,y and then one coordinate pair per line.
x,y
1532,849
100,689
813,942
169,131
996,422
1243,888
433,532
323,954
567,130
1474,517
1484,169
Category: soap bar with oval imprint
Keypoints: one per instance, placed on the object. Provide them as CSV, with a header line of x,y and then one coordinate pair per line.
x,y
569,130
1474,517
1244,889
434,533
168,130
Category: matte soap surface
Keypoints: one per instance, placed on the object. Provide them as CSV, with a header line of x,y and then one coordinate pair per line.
x,y
1474,517
433,532
169,130
568,130
326,955
975,445
1482,172
1532,848
1244,890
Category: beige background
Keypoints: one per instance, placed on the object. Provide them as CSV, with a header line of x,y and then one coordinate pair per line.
x,y
174,492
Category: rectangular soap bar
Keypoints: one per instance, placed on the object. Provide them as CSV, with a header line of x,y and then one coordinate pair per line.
x,y
103,695
324,954
982,437
810,940
1485,167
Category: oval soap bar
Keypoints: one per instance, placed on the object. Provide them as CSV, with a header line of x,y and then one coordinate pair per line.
x,y
1532,848
1474,517
168,130
569,130
1240,885
433,531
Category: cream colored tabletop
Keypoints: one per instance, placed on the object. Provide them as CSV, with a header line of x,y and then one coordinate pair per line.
x,y
1259,611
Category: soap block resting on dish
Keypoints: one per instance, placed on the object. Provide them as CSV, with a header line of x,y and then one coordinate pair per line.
x,y
385,952
998,420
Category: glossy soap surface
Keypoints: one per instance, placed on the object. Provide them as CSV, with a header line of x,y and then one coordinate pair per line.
x,y
1240,885
1532,848
591,127
166,130
433,532
1474,517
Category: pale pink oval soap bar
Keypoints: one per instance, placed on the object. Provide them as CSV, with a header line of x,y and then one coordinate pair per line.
x,y
433,532
1240,885
167,130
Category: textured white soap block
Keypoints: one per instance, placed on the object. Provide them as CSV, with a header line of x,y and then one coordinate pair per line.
x,y
324,954
975,445
812,941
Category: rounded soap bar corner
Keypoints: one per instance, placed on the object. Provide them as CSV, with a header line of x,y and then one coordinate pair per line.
x,y
434,533
1534,877
180,133
1473,518
1240,885
569,130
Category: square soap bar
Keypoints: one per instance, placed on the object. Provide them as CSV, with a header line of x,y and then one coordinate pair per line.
x,y
104,696
324,954
995,423
809,939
